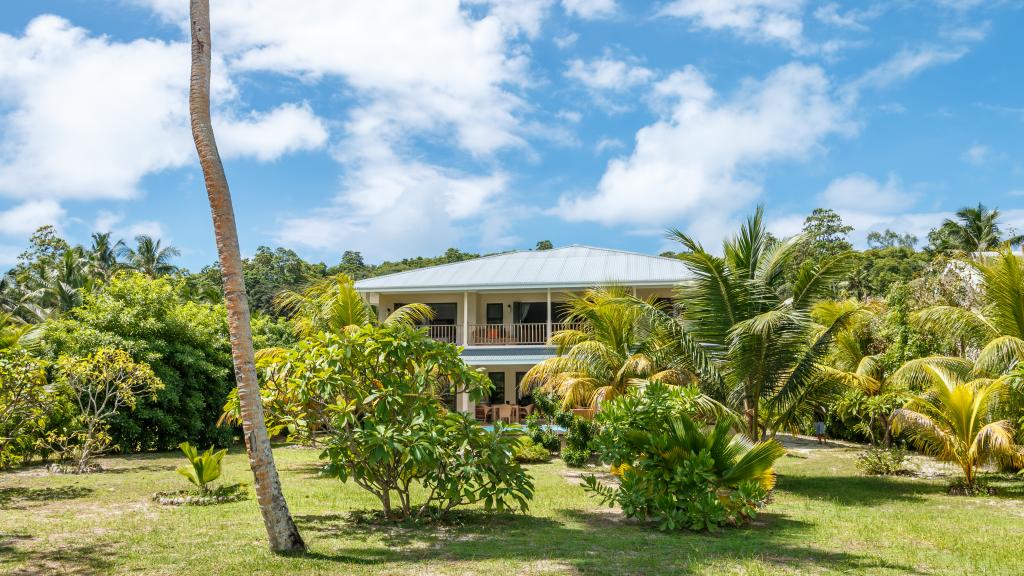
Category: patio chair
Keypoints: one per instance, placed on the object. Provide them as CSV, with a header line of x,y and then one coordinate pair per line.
x,y
481,412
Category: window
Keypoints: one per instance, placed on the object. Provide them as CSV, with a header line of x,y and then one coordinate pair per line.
x,y
445,313
498,394
495,313
520,399
529,312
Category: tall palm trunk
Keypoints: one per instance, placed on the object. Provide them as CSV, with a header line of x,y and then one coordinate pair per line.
x,y
284,535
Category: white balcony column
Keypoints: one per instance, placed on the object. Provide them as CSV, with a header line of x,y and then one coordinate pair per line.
x,y
465,319
547,331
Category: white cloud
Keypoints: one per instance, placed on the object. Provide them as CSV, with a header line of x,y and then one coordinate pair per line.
x,y
88,117
860,192
700,159
765,20
905,64
977,154
566,41
590,9
106,221
24,218
572,116
605,144
850,19
608,73
113,222
1018,192
269,135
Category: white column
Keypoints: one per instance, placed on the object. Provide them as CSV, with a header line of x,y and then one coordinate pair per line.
x,y
465,318
547,332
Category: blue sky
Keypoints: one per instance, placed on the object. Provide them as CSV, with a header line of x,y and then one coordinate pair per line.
x,y
401,128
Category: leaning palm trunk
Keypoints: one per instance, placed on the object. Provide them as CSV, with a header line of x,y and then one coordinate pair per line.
x,y
284,536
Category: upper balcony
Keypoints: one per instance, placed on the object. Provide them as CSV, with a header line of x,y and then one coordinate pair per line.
x,y
521,334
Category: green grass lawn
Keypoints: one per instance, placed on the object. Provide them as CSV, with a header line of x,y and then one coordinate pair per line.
x,y
826,518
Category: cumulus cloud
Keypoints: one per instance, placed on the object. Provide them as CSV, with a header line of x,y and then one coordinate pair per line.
x,y
701,157
87,117
590,9
608,73
861,192
764,20
266,136
25,218
977,154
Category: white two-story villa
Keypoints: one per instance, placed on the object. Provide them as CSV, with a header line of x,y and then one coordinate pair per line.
x,y
502,309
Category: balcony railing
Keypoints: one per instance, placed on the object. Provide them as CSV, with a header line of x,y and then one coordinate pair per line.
x,y
524,334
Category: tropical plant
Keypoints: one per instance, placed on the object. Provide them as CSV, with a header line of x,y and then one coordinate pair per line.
x,y
185,344
609,349
391,431
150,256
681,474
879,461
203,467
529,452
103,254
100,384
281,530
333,305
973,231
955,420
995,328
749,333
24,400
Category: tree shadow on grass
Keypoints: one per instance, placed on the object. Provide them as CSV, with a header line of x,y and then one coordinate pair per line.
x,y
588,541
81,560
856,490
18,497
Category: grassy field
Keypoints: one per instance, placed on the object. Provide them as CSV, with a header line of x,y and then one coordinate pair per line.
x,y
825,519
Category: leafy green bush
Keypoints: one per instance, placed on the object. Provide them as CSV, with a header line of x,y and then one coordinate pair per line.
x,y
529,452
542,436
882,461
24,405
185,344
101,385
390,430
575,457
203,468
684,475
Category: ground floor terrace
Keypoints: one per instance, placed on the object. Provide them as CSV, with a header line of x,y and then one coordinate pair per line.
x,y
825,518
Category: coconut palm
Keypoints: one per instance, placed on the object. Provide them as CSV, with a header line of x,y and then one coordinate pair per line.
x,y
610,349
104,253
283,534
996,329
749,333
151,257
955,420
974,230
332,304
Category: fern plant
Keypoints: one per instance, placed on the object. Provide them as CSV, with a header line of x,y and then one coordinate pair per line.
x,y
203,468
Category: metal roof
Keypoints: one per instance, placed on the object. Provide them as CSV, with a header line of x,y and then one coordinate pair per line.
x,y
507,356
569,267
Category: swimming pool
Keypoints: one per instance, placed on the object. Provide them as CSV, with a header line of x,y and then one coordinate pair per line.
x,y
552,427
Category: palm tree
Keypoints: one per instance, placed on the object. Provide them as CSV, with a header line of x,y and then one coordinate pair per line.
x,y
610,349
332,304
283,534
996,329
150,257
749,333
975,230
955,420
103,254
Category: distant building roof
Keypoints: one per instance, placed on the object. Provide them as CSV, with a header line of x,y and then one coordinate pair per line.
x,y
569,267
507,356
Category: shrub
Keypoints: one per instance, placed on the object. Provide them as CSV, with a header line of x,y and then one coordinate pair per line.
x,y
185,344
882,461
101,385
529,452
575,457
391,431
24,404
543,436
689,476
